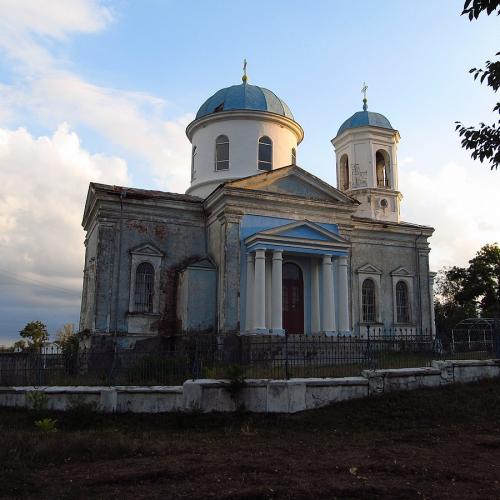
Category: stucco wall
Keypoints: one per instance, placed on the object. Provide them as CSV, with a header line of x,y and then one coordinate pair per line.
x,y
389,251
243,137
260,396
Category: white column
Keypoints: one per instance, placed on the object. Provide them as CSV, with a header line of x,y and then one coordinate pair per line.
x,y
327,315
277,293
260,291
269,265
431,304
249,314
343,297
315,305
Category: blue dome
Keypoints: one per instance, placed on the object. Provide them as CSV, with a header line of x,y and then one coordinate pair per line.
x,y
363,119
244,96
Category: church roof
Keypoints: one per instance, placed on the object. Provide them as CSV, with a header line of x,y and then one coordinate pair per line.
x,y
364,119
244,96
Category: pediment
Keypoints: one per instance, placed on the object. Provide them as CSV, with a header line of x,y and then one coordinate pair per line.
x,y
295,181
205,263
369,269
147,249
401,271
305,230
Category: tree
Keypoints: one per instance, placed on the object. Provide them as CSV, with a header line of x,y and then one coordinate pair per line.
x,y
36,334
471,291
484,142
65,334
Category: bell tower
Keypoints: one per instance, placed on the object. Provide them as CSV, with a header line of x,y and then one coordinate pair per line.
x,y
366,163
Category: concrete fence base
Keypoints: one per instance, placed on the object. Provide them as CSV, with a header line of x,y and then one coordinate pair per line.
x,y
260,396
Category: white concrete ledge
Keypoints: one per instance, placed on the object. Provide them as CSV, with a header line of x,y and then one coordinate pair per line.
x,y
256,395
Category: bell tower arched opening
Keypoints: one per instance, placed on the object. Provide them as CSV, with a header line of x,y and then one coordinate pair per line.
x,y
382,163
344,173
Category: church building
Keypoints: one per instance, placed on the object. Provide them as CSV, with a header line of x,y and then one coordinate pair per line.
x,y
258,245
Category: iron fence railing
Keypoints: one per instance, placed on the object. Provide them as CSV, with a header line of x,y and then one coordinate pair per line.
x,y
221,356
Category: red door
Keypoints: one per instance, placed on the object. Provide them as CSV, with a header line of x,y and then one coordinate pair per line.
x,y
293,299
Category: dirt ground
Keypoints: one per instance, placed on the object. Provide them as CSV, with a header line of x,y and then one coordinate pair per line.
x,y
440,443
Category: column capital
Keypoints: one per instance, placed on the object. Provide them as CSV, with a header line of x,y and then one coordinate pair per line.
x,y
277,254
260,253
250,257
327,259
342,260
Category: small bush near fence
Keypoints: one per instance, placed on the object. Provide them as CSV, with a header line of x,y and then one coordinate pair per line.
x,y
213,356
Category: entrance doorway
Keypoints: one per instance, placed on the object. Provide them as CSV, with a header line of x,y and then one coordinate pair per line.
x,y
293,298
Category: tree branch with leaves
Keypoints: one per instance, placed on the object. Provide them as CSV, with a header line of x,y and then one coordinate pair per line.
x,y
483,141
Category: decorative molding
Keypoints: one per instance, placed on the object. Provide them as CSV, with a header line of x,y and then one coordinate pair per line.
x,y
401,271
369,269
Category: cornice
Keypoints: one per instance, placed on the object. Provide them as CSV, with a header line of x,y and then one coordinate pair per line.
x,y
246,114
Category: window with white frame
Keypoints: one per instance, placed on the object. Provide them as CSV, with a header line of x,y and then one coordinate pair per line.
x,y
145,273
368,301
402,303
222,152
144,287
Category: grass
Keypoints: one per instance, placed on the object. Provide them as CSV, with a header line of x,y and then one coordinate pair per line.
x,y
207,455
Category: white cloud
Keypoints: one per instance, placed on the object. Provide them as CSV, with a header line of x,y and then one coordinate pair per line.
x,y
460,202
32,34
43,184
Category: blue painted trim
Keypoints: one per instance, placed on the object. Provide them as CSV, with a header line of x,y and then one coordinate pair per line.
x,y
296,250
252,224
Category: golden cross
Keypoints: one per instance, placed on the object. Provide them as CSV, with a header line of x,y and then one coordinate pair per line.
x,y
364,89
244,78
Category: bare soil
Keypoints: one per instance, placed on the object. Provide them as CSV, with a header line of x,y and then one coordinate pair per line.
x,y
439,443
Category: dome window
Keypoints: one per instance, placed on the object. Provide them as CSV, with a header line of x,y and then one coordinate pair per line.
x,y
193,168
294,156
222,153
265,153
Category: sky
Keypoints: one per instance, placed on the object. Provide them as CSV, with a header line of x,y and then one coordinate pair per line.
x,y
102,91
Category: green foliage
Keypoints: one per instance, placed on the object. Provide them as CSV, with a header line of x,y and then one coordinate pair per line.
x,y
47,424
471,291
36,334
484,142
236,376
38,401
475,7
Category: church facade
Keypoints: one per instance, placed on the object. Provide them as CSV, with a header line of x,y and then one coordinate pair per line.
x,y
258,245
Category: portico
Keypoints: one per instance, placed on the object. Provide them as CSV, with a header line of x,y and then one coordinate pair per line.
x,y
296,281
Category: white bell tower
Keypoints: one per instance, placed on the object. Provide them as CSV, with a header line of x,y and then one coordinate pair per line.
x,y
366,162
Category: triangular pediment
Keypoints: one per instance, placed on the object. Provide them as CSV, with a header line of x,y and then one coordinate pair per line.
x,y
295,181
369,269
147,249
401,271
306,230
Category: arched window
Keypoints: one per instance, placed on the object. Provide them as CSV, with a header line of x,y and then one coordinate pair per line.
x,y
222,153
144,287
368,301
344,172
383,168
265,153
402,303
294,156
193,169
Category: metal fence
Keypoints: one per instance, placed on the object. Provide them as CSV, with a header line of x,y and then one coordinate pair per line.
x,y
228,356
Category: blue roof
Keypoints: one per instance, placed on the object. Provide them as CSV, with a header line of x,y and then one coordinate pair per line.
x,y
244,96
363,119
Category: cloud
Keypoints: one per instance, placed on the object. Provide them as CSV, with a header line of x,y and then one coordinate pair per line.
x,y
460,202
43,185
32,35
